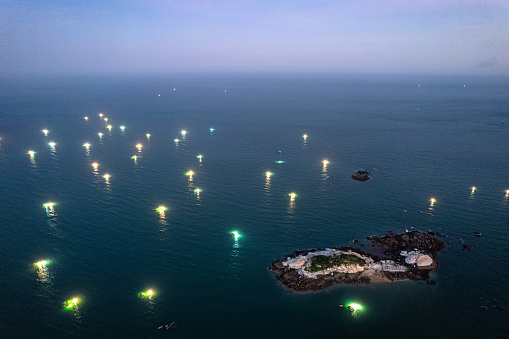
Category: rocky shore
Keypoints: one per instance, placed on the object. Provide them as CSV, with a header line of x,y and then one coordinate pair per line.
x,y
394,257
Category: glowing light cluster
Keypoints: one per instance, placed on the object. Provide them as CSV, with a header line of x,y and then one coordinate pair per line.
x,y
280,162
135,157
106,176
100,135
52,144
212,129
161,209
197,191
183,132
95,165
473,190
148,294
305,136
236,235
49,205
70,303
200,157
86,118
325,162
139,146
86,145
269,174
122,128
354,307
176,141
109,127
41,264
45,131
190,173
148,135
32,153
105,119
292,196
101,115
432,201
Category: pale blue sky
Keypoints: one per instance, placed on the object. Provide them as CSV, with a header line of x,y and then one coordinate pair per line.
x,y
100,37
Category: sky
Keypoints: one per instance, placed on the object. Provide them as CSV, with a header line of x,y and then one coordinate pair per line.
x,y
168,36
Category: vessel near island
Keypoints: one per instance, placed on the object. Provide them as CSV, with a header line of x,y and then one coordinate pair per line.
x,y
394,257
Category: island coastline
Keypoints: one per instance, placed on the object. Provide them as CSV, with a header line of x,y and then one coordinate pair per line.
x,y
393,257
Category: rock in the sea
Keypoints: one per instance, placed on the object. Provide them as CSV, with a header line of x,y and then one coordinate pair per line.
x,y
361,175
467,247
407,256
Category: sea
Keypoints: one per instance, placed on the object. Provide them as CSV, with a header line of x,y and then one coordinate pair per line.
x,y
422,137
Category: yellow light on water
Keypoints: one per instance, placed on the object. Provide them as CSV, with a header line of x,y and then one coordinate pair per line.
x,y
199,157
100,135
31,153
176,141
41,264
86,145
325,162
86,118
268,174
473,190
122,128
292,196
109,127
148,135
507,193
183,133
161,209
95,165
305,136
139,146
432,201
52,144
45,131
101,115
49,206
149,293
106,176
105,119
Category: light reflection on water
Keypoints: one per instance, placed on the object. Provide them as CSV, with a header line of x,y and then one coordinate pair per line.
x,y
45,278
266,187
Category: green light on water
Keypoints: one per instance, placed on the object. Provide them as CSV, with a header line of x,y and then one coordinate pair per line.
x,y
280,162
70,303
354,307
235,235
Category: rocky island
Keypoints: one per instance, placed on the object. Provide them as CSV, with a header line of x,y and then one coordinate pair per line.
x,y
361,175
407,256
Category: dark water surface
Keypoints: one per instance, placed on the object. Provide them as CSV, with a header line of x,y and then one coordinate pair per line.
x,y
107,244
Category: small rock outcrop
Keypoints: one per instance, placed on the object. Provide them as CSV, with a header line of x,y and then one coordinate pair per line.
x,y
361,175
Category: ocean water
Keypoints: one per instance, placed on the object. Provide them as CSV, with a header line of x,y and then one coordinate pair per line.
x,y
422,138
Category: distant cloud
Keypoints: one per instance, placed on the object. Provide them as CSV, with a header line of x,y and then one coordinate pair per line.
x,y
487,63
